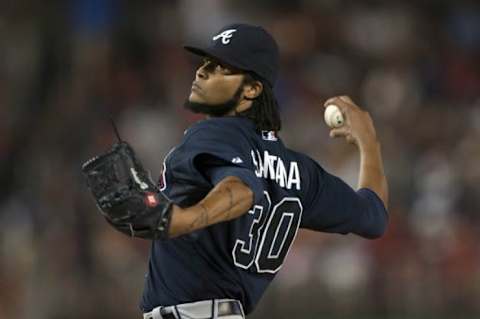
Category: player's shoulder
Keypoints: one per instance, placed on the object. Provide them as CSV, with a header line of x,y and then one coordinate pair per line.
x,y
221,128
303,158
310,168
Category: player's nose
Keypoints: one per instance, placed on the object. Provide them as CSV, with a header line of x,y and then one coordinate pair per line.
x,y
201,73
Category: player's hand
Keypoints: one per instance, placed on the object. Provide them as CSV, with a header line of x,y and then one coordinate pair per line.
x,y
126,195
358,127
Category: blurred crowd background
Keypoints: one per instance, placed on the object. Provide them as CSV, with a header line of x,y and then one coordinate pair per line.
x,y
414,65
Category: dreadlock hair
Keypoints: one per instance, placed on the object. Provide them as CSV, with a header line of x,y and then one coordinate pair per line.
x,y
265,111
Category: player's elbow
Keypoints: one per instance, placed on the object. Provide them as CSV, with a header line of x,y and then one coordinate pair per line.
x,y
379,227
374,219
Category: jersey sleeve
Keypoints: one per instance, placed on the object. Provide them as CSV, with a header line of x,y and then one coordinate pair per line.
x,y
215,151
333,206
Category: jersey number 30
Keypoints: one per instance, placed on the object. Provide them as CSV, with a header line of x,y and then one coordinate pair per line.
x,y
269,240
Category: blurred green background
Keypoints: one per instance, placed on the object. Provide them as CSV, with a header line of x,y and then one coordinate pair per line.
x,y
415,65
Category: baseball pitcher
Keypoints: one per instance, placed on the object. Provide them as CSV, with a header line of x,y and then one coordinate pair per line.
x,y
232,196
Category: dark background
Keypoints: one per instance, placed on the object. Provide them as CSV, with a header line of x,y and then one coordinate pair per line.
x,y
65,65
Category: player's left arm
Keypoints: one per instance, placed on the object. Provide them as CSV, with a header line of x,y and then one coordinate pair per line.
x,y
132,203
229,199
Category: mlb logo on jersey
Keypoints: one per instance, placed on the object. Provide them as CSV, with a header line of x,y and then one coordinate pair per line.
x,y
225,35
269,136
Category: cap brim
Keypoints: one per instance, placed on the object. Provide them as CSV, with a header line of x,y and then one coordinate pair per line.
x,y
196,51
210,52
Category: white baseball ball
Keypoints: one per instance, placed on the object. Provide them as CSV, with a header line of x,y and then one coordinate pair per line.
x,y
333,116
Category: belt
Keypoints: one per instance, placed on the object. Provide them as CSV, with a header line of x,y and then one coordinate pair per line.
x,y
207,309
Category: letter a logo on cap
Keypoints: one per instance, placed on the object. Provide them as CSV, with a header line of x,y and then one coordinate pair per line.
x,y
225,35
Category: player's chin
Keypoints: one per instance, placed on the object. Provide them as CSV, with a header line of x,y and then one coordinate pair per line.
x,y
195,98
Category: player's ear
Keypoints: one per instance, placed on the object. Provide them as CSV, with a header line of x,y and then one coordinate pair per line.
x,y
252,90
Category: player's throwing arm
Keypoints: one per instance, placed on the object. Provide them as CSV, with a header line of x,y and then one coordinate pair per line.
x,y
357,128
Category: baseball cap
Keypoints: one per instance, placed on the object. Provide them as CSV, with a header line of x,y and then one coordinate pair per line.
x,y
246,47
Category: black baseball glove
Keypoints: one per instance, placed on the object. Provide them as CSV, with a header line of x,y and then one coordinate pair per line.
x,y
126,195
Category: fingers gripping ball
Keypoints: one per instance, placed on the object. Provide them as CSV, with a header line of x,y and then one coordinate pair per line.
x,y
333,116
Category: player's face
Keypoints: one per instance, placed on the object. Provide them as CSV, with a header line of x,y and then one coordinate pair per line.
x,y
217,88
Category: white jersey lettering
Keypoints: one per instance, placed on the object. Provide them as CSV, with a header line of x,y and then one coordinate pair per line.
x,y
273,167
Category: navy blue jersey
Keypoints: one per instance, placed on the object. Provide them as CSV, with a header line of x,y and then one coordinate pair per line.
x,y
239,258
